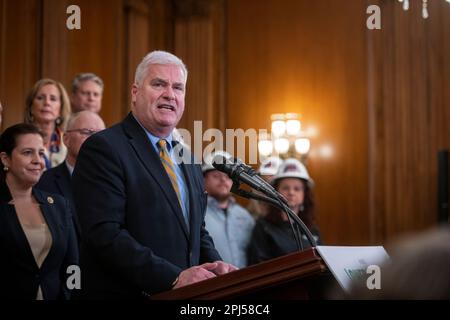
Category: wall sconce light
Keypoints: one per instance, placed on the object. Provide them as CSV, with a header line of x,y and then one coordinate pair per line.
x,y
286,139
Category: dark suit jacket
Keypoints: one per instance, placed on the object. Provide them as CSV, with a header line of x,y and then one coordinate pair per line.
x,y
135,239
58,180
21,276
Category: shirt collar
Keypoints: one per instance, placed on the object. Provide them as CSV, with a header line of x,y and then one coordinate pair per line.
x,y
69,167
154,139
213,202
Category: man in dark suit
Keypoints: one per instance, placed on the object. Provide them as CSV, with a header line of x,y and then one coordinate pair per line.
x,y
141,212
57,180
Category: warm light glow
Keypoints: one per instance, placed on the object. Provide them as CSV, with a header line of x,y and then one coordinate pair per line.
x,y
302,145
311,131
326,151
278,127
281,145
293,127
265,147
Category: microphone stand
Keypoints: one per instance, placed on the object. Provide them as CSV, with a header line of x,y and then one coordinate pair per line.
x,y
278,203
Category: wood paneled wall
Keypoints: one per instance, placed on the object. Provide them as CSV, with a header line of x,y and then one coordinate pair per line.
x,y
20,55
36,44
376,102
308,57
409,114
198,39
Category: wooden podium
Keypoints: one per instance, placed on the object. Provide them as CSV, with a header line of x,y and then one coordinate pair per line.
x,y
300,275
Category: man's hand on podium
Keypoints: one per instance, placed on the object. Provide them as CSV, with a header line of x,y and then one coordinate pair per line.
x,y
223,267
202,272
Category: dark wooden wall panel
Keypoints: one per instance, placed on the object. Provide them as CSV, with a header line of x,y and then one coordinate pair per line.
x,y
19,55
199,41
137,29
98,47
53,41
408,108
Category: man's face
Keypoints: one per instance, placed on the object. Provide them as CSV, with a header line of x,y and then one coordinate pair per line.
x,y
158,102
218,184
81,129
87,97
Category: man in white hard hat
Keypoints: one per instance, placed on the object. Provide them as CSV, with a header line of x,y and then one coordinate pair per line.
x,y
272,236
269,167
267,170
228,223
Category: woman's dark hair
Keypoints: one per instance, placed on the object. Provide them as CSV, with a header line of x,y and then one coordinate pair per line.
x,y
306,212
8,139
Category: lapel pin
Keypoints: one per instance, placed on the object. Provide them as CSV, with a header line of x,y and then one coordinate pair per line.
x,y
50,200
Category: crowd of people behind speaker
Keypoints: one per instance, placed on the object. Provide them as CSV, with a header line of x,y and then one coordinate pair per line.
x,y
55,126
39,229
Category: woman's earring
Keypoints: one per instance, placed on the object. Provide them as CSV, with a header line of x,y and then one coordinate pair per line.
x,y
58,121
5,168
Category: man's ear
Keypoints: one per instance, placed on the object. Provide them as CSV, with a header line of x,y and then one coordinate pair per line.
x,y
134,91
66,139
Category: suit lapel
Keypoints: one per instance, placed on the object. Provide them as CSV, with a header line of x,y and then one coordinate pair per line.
x,y
63,181
16,228
189,183
46,205
147,155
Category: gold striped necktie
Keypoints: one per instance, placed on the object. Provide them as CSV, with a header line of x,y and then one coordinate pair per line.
x,y
169,166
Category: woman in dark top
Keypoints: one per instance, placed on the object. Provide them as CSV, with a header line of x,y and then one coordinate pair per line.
x,y
37,237
272,236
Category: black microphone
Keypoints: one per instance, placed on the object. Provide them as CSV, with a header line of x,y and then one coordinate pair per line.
x,y
240,172
236,170
252,172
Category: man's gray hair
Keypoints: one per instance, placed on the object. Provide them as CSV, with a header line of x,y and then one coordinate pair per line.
x,y
81,77
157,57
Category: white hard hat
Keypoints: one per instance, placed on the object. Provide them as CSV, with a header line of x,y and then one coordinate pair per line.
x,y
292,168
270,165
207,161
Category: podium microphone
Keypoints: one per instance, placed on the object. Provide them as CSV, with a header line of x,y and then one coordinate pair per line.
x,y
236,170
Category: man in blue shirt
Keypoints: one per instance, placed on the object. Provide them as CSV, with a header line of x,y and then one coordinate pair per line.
x,y
142,213
228,223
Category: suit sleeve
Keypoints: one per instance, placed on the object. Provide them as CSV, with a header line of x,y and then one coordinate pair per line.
x,y
208,252
101,201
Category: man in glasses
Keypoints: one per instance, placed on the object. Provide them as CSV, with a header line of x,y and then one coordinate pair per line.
x,y
80,126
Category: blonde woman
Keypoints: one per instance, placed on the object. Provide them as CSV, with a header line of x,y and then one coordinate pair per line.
x,y
48,108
